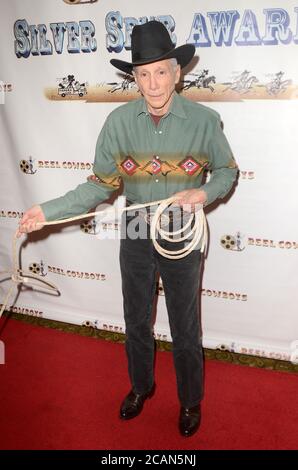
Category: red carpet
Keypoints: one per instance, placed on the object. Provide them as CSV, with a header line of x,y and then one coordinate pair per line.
x,y
62,391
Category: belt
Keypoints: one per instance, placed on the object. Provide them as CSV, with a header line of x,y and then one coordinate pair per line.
x,y
172,216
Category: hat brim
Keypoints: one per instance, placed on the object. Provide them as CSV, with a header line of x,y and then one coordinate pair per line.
x,y
183,54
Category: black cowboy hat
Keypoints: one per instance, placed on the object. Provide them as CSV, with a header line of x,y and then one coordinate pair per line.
x,y
151,42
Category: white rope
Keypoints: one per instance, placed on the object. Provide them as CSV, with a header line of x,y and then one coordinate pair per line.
x,y
196,233
196,229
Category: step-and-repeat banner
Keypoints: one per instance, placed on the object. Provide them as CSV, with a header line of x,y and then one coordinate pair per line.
x,y
57,87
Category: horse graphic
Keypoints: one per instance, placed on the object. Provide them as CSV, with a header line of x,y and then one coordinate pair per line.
x,y
277,85
243,83
201,81
127,84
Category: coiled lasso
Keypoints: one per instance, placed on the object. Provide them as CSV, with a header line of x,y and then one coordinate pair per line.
x,y
196,228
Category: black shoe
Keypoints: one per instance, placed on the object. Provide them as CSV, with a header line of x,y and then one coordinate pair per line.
x,y
189,420
133,403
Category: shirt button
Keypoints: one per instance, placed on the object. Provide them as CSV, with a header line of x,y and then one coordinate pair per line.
x,y
156,181
155,132
160,132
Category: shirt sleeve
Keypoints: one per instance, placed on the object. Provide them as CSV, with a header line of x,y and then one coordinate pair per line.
x,y
98,187
223,167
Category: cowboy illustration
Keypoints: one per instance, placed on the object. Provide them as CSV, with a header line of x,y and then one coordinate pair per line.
x,y
242,83
201,81
127,84
277,85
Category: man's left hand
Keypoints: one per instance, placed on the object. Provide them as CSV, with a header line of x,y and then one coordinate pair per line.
x,y
191,199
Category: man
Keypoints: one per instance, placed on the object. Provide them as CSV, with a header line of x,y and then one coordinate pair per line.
x,y
159,146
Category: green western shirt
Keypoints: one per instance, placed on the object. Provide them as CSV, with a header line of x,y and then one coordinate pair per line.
x,y
154,162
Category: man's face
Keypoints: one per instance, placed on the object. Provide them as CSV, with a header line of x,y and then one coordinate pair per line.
x,y
157,82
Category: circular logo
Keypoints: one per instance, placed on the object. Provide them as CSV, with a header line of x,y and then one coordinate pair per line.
x,y
24,166
34,268
87,227
228,242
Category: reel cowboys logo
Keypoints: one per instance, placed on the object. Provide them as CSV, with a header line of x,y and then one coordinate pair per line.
x,y
27,166
38,268
89,227
25,311
97,227
11,214
236,243
233,242
30,168
91,324
95,324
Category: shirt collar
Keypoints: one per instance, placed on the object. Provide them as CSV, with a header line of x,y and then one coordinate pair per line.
x,y
176,107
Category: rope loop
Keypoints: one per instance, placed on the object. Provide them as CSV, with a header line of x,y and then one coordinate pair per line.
x,y
196,229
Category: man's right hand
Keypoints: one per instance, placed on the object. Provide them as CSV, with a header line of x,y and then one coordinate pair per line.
x,y
29,220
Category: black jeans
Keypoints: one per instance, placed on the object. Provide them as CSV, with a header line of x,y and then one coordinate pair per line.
x,y
139,262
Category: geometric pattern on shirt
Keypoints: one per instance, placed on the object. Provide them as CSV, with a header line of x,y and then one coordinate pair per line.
x,y
155,166
113,181
190,165
129,165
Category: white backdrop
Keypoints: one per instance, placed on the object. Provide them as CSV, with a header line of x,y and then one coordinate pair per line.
x,y
53,51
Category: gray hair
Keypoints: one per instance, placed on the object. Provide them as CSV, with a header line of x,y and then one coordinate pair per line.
x,y
173,62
